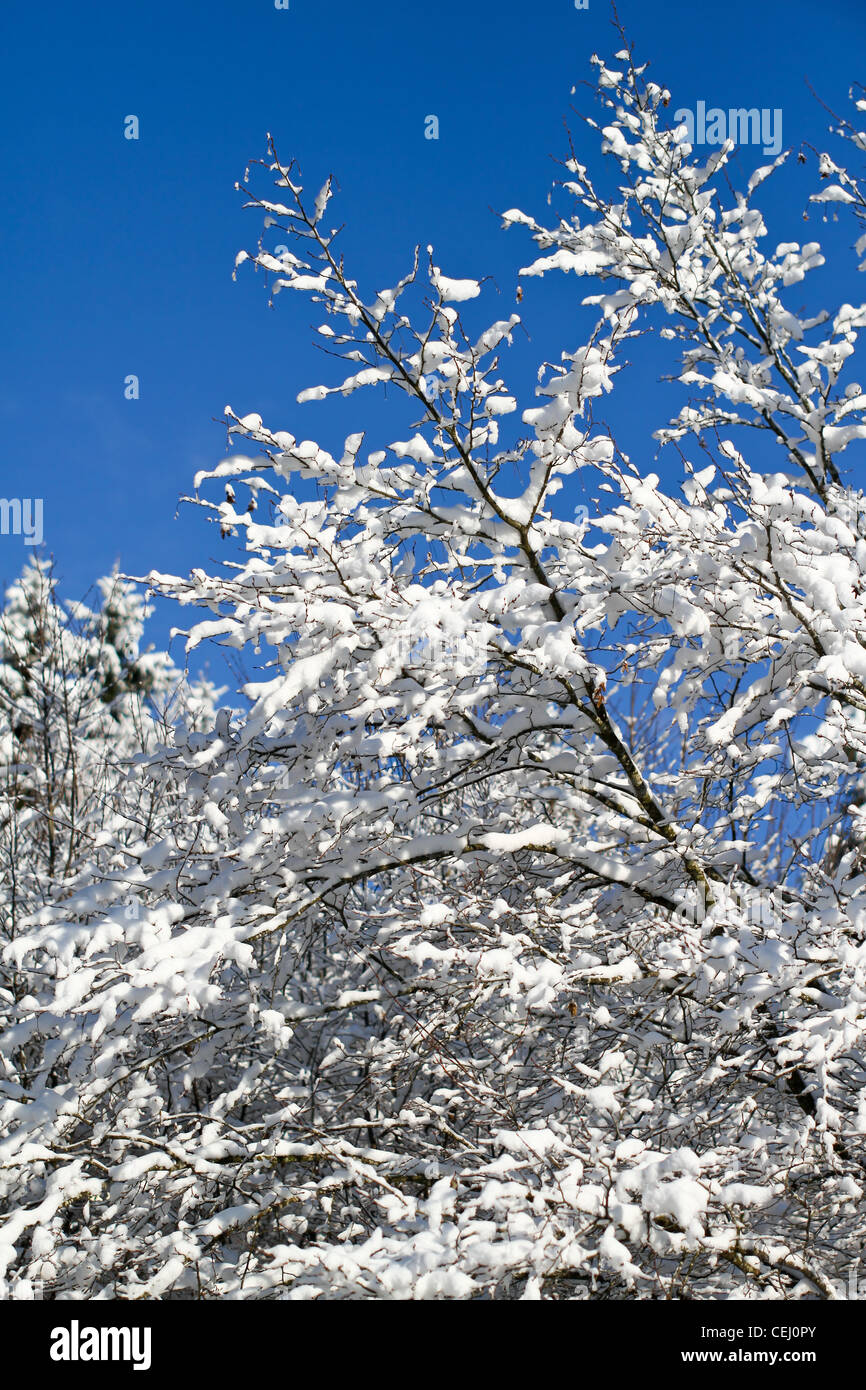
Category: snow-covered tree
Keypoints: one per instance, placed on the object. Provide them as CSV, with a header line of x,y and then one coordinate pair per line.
x,y
78,697
509,940
79,702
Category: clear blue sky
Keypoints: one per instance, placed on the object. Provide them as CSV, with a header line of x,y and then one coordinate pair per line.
x,y
118,255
